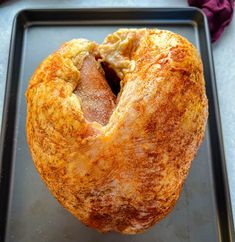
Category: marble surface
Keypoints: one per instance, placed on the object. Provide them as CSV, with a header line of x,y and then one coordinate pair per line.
x,y
223,53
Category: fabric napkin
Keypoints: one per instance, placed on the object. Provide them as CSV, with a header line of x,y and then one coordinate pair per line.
x,y
219,14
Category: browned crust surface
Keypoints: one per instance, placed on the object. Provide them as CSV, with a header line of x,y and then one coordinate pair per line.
x,y
126,175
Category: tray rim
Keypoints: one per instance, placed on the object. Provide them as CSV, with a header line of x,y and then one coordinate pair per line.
x,y
8,86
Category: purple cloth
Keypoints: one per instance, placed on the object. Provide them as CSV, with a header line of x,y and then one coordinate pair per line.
x,y
219,14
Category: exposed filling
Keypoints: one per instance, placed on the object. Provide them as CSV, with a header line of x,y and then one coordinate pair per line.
x,y
97,90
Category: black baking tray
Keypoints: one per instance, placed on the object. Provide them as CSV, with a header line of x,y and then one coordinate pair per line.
x,y
28,212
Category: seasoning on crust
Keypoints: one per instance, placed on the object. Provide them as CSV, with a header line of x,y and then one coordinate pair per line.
x,y
118,162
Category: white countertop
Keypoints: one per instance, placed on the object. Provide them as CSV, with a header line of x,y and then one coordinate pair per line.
x,y
223,53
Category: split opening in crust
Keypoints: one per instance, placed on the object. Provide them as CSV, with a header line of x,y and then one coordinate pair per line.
x,y
97,88
112,78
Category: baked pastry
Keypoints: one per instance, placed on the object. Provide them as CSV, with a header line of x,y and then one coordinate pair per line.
x,y
117,159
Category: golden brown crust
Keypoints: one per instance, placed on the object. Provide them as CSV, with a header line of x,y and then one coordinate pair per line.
x,y
126,175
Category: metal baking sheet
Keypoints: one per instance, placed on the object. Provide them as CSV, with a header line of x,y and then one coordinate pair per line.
x,y
28,212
